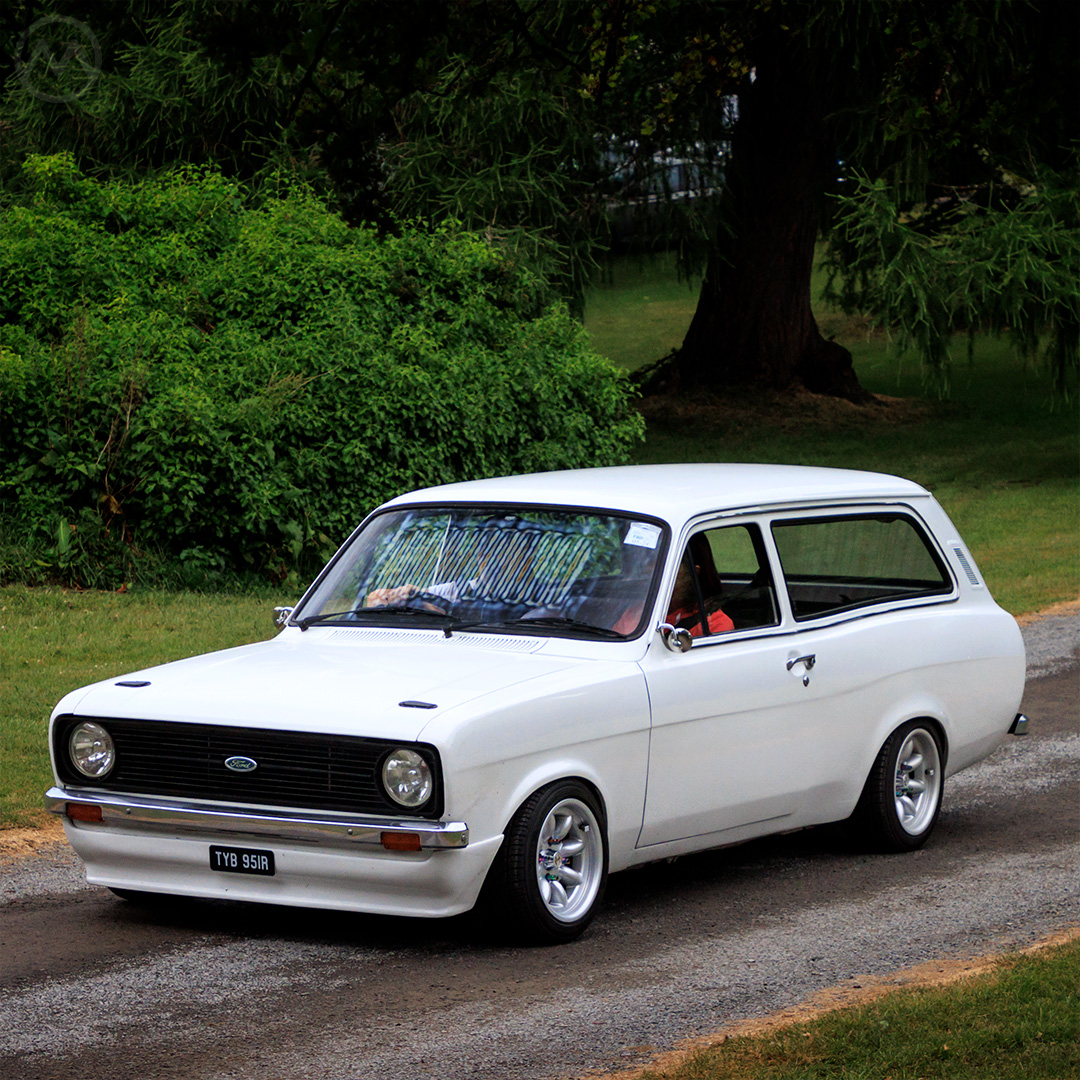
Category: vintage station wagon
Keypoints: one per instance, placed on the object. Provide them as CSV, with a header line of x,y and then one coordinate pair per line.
x,y
501,691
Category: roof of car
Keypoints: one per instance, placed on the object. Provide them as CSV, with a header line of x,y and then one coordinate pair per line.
x,y
676,492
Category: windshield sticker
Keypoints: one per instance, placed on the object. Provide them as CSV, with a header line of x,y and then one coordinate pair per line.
x,y
642,534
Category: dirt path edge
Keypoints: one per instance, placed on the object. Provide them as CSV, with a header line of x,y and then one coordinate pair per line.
x,y
858,990
19,843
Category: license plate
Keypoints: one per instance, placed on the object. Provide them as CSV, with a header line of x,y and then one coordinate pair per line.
x,y
240,860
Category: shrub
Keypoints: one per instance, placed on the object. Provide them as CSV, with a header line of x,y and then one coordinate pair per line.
x,y
193,379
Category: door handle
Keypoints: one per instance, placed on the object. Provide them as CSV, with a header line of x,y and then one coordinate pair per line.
x,y
809,660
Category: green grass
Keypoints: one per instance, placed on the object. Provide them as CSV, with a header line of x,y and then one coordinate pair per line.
x,y
639,311
1018,1021
53,641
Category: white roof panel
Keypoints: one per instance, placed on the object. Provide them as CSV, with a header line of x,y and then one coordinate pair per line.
x,y
677,492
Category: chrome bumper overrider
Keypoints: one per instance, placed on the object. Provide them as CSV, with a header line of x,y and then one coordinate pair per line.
x,y
1019,725
149,814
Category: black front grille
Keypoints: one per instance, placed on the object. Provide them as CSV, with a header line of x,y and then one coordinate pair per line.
x,y
294,769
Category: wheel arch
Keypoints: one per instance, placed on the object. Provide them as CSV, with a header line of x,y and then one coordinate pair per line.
x,y
924,712
943,740
541,778
938,728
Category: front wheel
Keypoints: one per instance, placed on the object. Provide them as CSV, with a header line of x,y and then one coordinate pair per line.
x,y
549,877
902,797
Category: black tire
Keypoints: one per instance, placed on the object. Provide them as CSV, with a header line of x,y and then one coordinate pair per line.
x,y
902,796
549,877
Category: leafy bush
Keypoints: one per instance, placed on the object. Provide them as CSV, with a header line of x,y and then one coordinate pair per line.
x,y
193,379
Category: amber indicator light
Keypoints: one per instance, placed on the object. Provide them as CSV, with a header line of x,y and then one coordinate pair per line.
x,y
401,841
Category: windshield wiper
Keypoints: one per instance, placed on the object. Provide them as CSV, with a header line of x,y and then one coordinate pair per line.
x,y
562,621
325,616
389,609
449,623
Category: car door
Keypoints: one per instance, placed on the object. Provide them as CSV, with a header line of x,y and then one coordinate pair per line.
x,y
766,727
724,725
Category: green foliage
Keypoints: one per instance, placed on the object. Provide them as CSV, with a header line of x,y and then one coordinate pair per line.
x,y
509,161
491,112
192,377
1007,268
248,87
567,119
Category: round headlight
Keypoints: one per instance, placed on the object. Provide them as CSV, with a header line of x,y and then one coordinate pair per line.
x,y
406,776
92,750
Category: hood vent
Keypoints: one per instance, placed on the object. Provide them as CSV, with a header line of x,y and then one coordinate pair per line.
x,y
387,636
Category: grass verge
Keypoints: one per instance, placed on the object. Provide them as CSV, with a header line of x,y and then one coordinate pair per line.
x,y
55,640
1020,1020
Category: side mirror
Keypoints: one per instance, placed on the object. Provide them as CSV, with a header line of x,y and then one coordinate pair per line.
x,y
281,616
676,638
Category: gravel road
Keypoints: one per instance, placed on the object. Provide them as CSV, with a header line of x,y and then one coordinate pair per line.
x,y
94,987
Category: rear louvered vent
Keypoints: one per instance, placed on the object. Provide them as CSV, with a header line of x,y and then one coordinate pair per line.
x,y
293,769
966,565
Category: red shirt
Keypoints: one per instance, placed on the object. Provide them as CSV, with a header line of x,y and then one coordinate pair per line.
x,y
719,623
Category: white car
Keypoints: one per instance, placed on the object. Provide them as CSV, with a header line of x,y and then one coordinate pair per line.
x,y
503,690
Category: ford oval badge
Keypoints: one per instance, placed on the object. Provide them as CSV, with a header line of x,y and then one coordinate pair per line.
x,y
241,764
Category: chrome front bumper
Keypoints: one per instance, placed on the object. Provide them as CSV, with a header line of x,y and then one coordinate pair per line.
x,y
1019,725
176,818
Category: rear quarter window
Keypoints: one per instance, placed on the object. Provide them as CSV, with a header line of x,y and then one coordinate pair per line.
x,y
833,564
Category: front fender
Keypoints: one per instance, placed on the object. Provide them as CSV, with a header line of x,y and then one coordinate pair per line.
x,y
498,751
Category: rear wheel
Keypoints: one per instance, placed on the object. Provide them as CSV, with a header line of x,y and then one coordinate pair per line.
x,y
902,797
549,877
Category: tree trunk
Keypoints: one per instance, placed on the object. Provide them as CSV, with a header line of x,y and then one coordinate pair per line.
x,y
753,323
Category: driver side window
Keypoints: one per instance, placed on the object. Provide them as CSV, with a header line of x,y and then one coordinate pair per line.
x,y
724,583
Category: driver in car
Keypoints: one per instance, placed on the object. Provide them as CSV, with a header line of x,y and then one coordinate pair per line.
x,y
683,609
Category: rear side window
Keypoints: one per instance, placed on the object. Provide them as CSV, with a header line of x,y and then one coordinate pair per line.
x,y
834,564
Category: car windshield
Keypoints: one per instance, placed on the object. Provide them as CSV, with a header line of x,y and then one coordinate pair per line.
x,y
502,569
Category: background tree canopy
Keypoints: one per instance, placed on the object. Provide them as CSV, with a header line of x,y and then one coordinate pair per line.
x,y
535,119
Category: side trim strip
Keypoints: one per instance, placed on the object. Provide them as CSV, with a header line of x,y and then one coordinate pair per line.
x,y
327,830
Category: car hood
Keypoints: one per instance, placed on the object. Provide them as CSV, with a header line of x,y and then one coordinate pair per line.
x,y
319,682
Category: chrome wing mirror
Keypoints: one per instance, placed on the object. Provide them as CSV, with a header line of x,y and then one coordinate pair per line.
x,y
676,638
281,616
